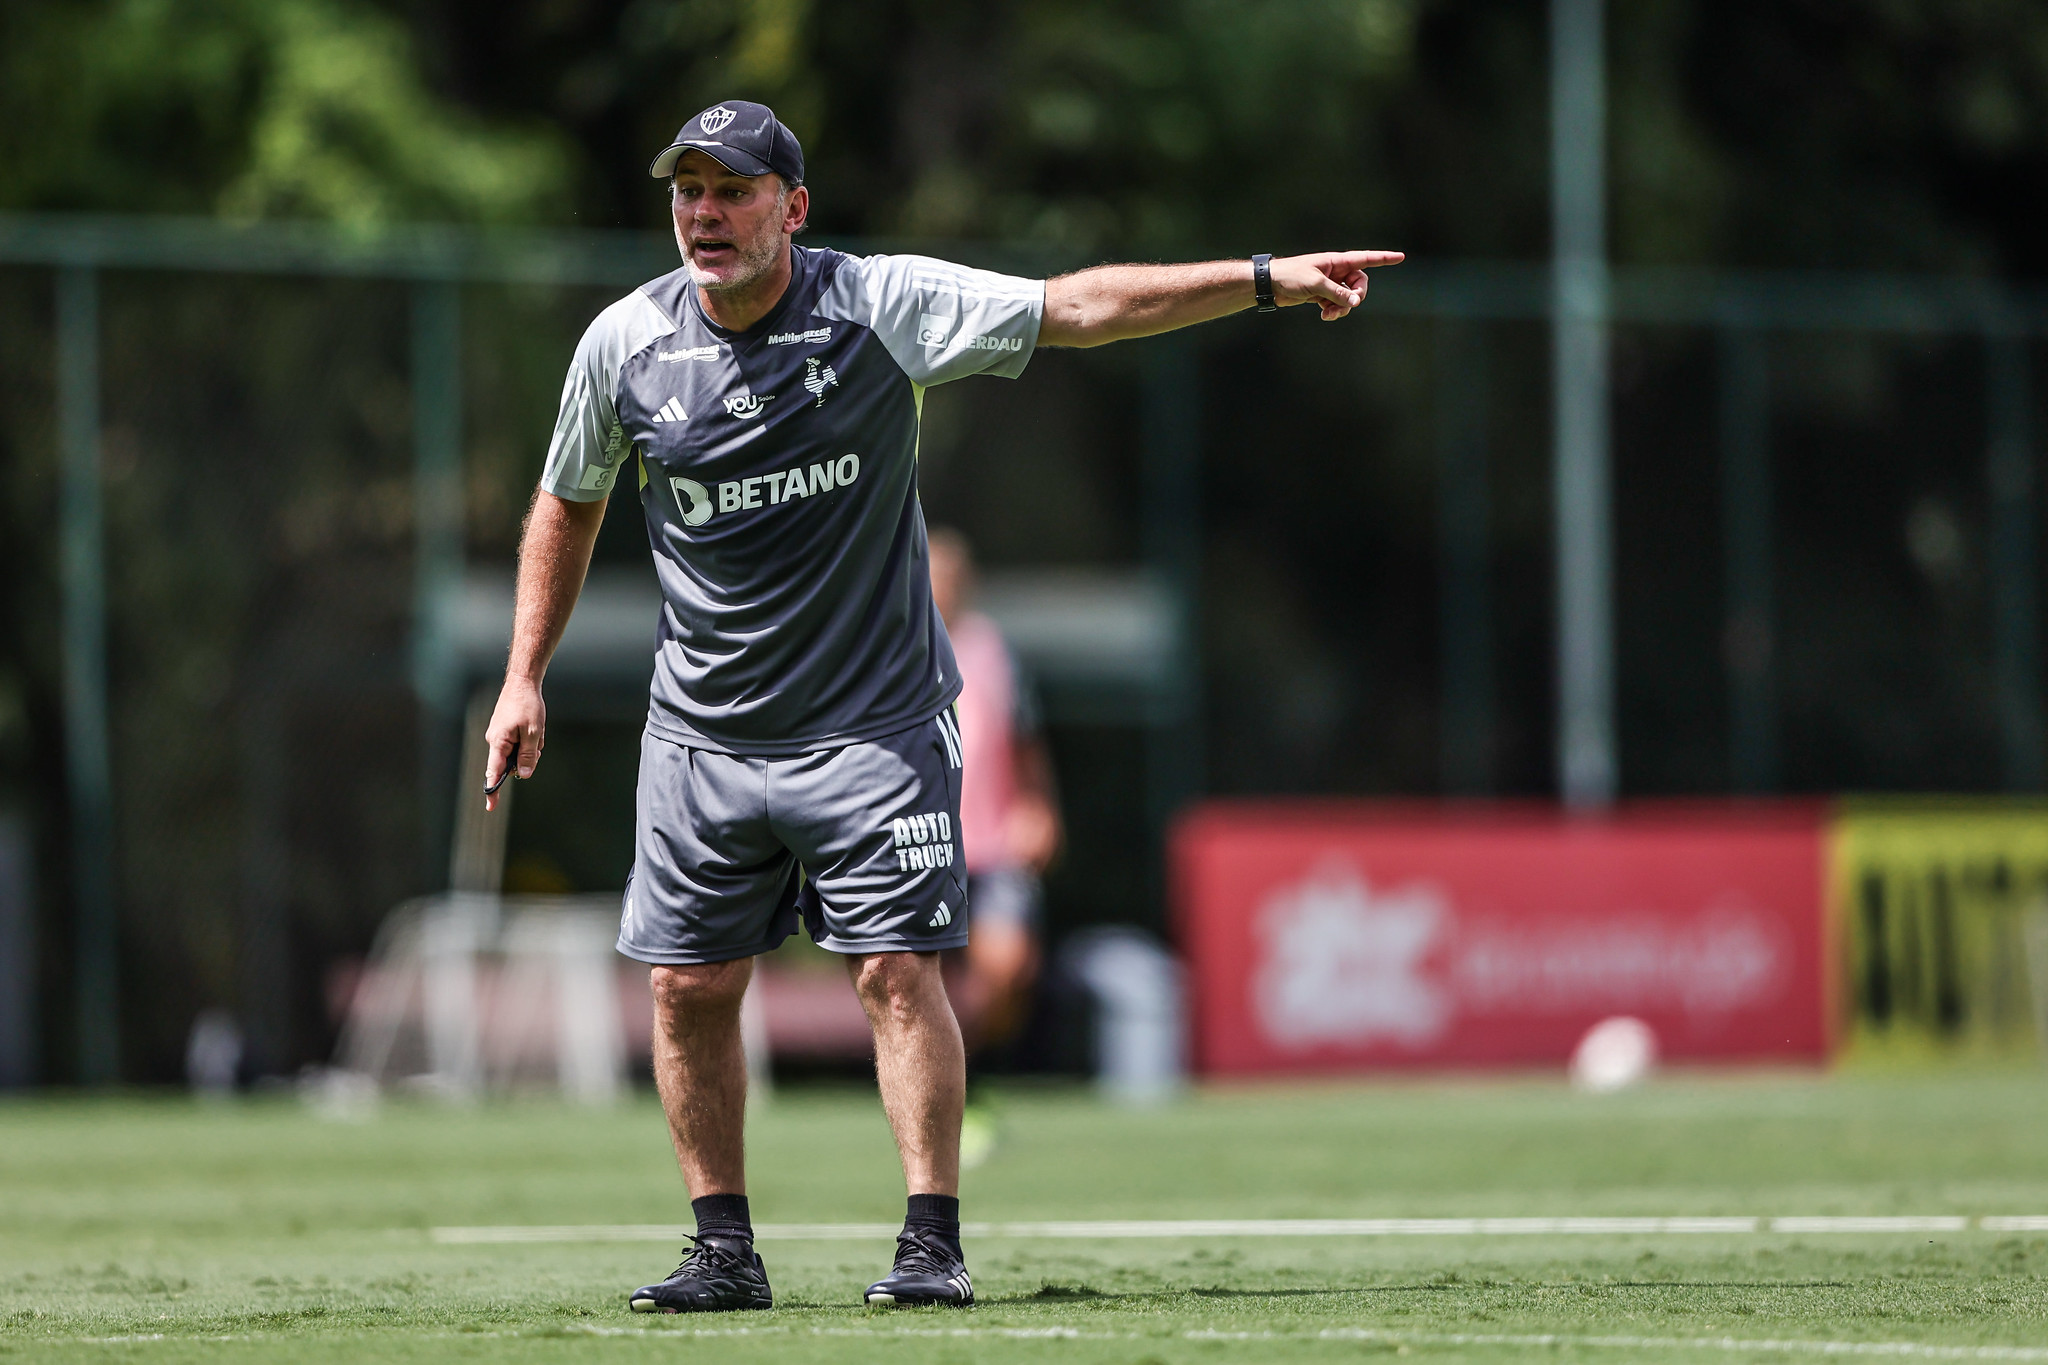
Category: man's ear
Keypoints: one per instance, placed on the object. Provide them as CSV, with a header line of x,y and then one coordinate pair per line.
x,y
797,210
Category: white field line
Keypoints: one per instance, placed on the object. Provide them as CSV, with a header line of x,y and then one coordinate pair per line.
x,y
1912,1350
1277,1227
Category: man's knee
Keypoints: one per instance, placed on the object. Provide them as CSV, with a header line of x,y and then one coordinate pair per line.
x,y
898,984
695,990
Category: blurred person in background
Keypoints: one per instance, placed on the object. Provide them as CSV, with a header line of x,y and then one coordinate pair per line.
x,y
1009,817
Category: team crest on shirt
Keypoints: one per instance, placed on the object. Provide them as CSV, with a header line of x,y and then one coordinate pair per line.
x,y
818,379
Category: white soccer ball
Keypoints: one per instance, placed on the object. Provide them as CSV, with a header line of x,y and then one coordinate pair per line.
x,y
1614,1054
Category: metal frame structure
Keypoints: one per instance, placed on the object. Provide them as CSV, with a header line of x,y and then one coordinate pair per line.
x,y
1743,309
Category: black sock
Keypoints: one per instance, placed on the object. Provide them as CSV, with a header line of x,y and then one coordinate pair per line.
x,y
939,1213
723,1215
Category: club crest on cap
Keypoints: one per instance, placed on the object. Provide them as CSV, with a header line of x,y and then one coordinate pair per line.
x,y
713,121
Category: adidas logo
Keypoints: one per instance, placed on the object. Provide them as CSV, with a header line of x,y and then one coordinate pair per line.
x,y
672,411
940,920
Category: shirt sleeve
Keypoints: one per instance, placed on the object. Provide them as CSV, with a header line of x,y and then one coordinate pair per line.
x,y
942,321
589,445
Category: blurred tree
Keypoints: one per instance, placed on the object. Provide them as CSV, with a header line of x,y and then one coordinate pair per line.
x,y
1747,132
251,108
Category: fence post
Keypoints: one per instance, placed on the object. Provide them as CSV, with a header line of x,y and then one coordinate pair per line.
x,y
2014,600
1172,543
438,531
1749,635
1586,751
1465,616
82,569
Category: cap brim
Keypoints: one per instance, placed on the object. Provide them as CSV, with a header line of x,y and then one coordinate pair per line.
x,y
732,158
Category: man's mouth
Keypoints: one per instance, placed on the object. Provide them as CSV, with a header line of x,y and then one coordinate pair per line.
x,y
713,250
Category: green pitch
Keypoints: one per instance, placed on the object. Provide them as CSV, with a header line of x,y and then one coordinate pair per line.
x,y
160,1230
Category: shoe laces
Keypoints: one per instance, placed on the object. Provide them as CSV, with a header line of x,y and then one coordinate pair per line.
x,y
708,1253
921,1249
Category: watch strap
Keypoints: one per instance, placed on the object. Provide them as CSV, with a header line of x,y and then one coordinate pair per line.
x,y
1262,281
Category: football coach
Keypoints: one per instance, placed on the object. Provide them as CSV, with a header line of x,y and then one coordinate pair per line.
x,y
800,759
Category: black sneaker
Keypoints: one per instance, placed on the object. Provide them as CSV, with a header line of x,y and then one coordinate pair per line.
x,y
927,1271
719,1275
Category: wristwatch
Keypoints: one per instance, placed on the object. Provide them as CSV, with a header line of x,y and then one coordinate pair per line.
x,y
1262,281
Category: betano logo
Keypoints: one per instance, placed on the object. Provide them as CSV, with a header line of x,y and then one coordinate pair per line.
x,y
694,499
788,486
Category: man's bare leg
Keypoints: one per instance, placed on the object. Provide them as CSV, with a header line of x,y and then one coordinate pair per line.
x,y
700,1068
919,1062
923,1072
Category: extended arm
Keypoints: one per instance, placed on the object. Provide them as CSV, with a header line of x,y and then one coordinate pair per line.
x,y
554,555
1119,302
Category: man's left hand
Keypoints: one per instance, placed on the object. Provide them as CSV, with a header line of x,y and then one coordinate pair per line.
x,y
1333,280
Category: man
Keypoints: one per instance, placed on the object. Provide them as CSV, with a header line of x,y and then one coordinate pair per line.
x,y
800,758
1009,812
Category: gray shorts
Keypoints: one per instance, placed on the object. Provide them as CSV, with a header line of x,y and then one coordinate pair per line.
x,y
859,843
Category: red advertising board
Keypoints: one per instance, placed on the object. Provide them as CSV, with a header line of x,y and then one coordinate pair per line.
x,y
1335,937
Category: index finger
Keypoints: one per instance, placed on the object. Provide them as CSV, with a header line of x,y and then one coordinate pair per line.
x,y
1348,261
500,766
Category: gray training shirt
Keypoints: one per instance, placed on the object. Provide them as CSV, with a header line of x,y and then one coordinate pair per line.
x,y
778,467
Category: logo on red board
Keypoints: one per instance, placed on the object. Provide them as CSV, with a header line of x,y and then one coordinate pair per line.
x,y
1349,964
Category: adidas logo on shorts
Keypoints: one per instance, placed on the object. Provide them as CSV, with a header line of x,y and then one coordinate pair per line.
x,y
940,920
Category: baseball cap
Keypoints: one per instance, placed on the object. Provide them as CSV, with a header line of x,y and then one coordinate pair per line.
x,y
743,137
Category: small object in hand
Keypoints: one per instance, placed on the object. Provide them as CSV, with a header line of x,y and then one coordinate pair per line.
x,y
511,770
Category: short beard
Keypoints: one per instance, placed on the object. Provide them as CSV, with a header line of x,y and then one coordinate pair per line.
x,y
756,260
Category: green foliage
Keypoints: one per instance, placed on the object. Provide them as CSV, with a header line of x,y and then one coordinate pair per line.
x,y
250,108
1161,128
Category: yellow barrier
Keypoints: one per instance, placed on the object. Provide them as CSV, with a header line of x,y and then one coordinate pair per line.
x,y
1941,905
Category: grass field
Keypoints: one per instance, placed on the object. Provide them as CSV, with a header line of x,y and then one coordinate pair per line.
x,y
160,1230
